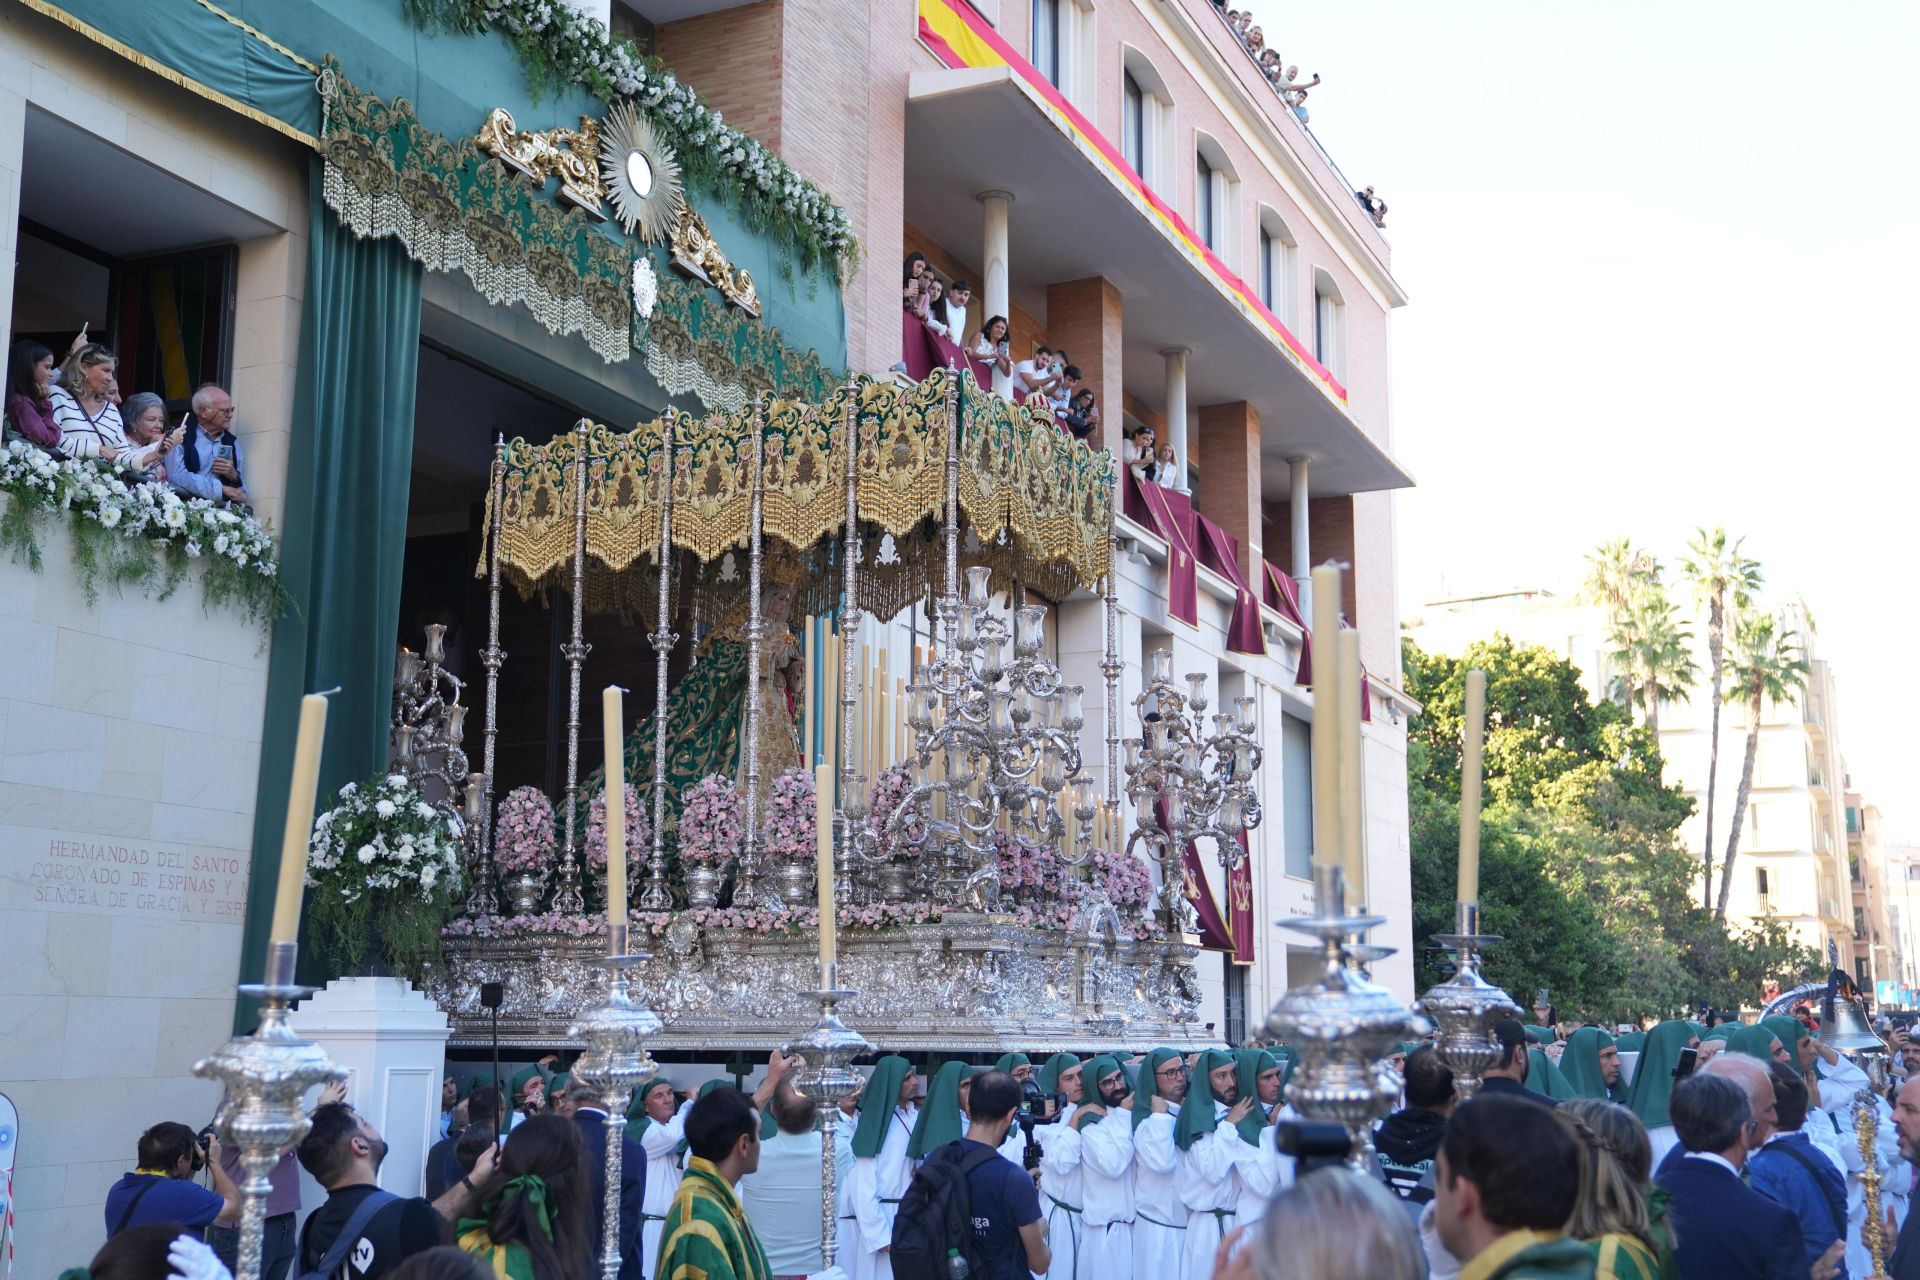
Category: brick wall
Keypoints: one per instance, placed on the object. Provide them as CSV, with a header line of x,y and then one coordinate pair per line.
x,y
736,60
1084,316
1330,529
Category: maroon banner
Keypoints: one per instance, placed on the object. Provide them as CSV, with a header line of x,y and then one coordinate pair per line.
x,y
1283,594
1240,905
1220,552
1170,515
1215,933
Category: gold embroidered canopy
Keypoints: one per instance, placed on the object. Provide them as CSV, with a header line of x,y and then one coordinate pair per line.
x,y
1038,504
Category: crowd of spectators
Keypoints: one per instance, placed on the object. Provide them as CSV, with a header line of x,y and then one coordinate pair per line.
x,y
75,409
1284,79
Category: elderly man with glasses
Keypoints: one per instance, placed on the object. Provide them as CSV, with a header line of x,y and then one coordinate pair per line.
x,y
207,463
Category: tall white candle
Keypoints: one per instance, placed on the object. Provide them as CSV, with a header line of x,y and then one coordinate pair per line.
x,y
1327,695
299,829
616,802
1468,889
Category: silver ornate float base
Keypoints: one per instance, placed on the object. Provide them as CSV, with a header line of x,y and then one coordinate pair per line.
x,y
965,982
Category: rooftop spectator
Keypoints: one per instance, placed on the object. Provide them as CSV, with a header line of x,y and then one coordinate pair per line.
x,y
1376,207
208,462
162,1189
83,408
1295,93
29,394
1272,68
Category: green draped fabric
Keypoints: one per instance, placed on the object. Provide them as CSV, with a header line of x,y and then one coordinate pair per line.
x,y
939,1120
1008,1061
1093,1111
1539,1034
1755,1042
1250,1065
1544,1076
1196,1113
1721,1032
1653,1077
1790,1031
1147,1087
1051,1072
1581,1066
349,464
1632,1042
704,712
1285,1056
878,1101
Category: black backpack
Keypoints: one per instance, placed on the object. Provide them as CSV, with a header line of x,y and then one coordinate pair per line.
x,y
936,1214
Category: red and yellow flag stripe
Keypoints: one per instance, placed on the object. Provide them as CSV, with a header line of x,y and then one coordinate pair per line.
x,y
960,37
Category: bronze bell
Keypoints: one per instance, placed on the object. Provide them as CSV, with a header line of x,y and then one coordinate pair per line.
x,y
1845,1029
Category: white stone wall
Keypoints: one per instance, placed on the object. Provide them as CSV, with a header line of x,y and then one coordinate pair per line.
x,y
129,747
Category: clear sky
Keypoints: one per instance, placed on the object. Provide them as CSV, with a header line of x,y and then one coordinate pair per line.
x,y
1662,259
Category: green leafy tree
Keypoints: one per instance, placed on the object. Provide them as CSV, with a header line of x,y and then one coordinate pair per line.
x,y
1724,582
1769,665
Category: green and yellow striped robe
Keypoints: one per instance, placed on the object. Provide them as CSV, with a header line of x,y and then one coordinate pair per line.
x,y
706,1236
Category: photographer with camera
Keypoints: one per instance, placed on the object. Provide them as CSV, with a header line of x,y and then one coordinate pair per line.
x,y
162,1189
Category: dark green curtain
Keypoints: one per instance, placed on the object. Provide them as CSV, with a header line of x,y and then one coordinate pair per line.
x,y
348,466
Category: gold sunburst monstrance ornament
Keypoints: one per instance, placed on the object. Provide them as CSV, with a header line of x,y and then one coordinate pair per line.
x,y
641,174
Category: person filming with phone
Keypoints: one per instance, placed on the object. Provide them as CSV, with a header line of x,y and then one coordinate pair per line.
x,y
208,463
162,1188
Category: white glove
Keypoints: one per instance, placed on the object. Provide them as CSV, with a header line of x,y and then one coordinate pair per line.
x,y
190,1259
831,1273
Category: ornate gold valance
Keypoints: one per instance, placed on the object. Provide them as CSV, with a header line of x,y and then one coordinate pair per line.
x,y
1038,504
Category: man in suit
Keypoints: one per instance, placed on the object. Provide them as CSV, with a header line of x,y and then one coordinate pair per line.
x,y
590,1113
1508,1077
1724,1229
1905,1262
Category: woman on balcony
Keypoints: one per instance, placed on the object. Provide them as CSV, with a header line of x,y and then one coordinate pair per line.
x,y
29,386
83,407
991,345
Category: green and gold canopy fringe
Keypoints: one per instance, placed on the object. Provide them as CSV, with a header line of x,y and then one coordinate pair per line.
x,y
1038,505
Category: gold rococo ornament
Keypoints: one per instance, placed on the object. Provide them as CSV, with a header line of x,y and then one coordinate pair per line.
x,y
566,154
697,253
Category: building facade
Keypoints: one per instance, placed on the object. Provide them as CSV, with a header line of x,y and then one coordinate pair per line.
x,y
1117,177
1793,862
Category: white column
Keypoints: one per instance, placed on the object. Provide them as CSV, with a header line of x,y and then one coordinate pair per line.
x,y
1176,358
994,288
1302,566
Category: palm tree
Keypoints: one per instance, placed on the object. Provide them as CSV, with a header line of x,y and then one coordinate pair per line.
x,y
1722,579
1769,665
1615,571
1653,651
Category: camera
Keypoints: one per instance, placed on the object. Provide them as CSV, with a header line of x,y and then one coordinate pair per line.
x,y
202,1148
1313,1146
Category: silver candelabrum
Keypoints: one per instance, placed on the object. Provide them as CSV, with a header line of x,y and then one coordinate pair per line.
x,y
266,1077
429,722
1006,731
615,1032
827,1076
1466,1006
1341,1024
1187,784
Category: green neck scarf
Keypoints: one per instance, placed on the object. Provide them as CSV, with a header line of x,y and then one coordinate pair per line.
x,y
1653,1077
1008,1061
1790,1031
1099,1069
1147,1088
1632,1042
1755,1042
1197,1112
1050,1074
1580,1064
878,1102
939,1120
1249,1064
1543,1076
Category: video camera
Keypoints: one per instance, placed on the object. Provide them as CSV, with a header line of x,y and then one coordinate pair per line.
x,y
1312,1145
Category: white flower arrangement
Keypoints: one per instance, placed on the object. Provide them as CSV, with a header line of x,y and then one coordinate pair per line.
x,y
558,40
95,492
383,859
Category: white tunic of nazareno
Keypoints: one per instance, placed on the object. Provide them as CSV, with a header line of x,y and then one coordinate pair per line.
x,y
661,1142
1839,1084
1159,1217
1211,1184
878,1183
1106,1169
1061,1197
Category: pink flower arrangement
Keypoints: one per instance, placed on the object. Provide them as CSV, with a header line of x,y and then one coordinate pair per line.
x,y
1027,869
710,825
639,833
546,922
789,818
878,915
1128,883
890,791
523,839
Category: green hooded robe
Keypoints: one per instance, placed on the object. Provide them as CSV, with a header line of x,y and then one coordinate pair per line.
x,y
1755,1042
1197,1112
1251,1064
1580,1064
939,1120
1051,1072
1147,1088
1544,1076
878,1101
1653,1077
1099,1069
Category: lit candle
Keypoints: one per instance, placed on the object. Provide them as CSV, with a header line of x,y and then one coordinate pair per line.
x,y
1353,845
293,845
616,802
1326,716
810,696
823,835
1476,732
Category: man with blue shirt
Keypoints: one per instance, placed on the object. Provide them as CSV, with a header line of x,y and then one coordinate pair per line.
x,y
1789,1169
1009,1235
207,462
162,1188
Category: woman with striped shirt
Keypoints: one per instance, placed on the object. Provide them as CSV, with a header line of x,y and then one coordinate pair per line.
x,y
83,407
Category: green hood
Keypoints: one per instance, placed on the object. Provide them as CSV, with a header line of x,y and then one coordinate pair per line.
x,y
1755,1042
1196,1113
1790,1031
1288,1059
1653,1077
1539,1034
1008,1061
878,1102
637,1109
1251,1063
1580,1064
1543,1076
1097,1070
1632,1042
939,1119
1147,1086
1721,1032
519,1081
1050,1074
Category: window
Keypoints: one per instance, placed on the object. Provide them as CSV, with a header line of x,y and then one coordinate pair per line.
x,y
1760,887
1046,39
1329,325
1277,257
1296,773
1266,267
1859,923
1204,195
1133,123
1233,981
